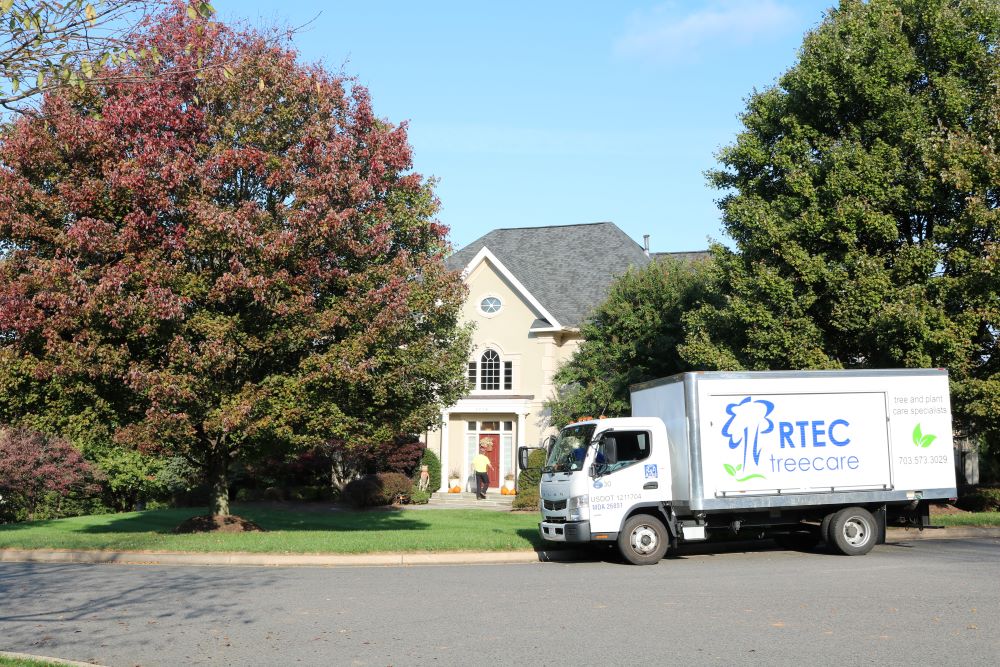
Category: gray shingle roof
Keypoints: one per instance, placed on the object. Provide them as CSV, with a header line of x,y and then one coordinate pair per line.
x,y
568,269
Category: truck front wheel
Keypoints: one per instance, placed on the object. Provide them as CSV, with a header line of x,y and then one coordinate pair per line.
x,y
853,531
643,540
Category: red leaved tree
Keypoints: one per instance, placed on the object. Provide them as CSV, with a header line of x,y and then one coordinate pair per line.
x,y
33,465
229,262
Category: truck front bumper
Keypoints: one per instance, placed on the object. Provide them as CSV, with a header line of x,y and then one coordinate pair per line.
x,y
574,531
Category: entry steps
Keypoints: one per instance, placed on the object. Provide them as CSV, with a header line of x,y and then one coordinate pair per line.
x,y
494,501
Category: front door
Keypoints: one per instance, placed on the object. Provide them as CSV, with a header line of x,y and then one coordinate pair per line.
x,y
491,443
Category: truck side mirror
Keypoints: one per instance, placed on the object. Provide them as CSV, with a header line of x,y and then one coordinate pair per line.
x,y
522,457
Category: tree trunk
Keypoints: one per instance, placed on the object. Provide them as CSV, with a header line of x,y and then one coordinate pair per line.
x,y
218,480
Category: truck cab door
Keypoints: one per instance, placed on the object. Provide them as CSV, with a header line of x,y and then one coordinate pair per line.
x,y
624,474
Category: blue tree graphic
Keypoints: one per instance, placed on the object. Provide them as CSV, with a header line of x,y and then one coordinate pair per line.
x,y
748,419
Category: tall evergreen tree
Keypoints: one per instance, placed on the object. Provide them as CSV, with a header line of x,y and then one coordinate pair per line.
x,y
862,199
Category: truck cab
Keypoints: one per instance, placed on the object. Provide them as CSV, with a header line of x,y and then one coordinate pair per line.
x,y
600,472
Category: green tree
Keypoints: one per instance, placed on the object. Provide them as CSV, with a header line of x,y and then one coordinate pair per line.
x,y
631,337
222,262
862,201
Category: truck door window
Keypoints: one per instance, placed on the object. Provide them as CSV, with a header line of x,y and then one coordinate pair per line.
x,y
631,446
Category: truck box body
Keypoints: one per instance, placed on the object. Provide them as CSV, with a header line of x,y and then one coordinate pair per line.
x,y
771,439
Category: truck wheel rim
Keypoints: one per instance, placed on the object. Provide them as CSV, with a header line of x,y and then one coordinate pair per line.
x,y
644,540
856,531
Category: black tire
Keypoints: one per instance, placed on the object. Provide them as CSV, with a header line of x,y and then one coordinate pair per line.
x,y
824,529
853,531
643,540
802,540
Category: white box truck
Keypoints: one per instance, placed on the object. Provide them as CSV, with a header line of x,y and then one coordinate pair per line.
x,y
800,456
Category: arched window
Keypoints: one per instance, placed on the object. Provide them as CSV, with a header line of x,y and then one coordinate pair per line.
x,y
491,373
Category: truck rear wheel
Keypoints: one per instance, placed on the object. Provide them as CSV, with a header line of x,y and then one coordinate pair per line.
x,y
853,531
643,540
824,529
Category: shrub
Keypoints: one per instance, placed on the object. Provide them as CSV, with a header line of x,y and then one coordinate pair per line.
x,y
273,493
980,499
527,483
248,495
418,497
36,469
363,492
395,486
433,463
304,493
402,455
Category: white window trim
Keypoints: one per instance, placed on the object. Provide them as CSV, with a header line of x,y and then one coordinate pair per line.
x,y
477,389
479,305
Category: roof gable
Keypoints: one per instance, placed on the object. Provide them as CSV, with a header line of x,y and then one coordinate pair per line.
x,y
563,271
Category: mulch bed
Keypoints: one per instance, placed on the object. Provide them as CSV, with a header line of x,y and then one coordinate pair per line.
x,y
227,523
945,508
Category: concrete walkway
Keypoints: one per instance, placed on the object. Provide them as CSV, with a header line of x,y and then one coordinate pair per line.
x,y
895,535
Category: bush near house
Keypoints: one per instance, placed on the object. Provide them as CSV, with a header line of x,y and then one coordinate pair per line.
x,y
41,475
433,463
980,499
527,484
384,488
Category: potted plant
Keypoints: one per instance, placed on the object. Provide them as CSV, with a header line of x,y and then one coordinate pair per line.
x,y
453,482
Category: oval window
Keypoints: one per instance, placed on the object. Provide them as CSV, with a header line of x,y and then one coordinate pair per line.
x,y
490,305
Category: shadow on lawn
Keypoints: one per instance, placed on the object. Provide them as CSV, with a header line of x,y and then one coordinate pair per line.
x,y
269,518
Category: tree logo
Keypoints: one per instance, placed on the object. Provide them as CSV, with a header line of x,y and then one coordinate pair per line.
x,y
921,440
748,420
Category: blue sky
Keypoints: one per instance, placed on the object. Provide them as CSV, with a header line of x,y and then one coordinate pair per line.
x,y
554,113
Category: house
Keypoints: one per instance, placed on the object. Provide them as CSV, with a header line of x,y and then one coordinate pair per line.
x,y
530,289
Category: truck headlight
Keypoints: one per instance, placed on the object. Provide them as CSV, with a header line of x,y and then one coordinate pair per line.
x,y
578,508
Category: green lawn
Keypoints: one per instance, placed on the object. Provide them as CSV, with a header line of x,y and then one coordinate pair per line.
x,y
6,661
969,519
316,531
287,531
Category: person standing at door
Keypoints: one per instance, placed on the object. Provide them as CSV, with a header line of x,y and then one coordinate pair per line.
x,y
481,465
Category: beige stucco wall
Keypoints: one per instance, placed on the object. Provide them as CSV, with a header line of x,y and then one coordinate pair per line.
x,y
535,358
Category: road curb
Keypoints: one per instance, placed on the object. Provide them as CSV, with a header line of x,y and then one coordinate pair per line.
x,y
893,535
269,559
950,533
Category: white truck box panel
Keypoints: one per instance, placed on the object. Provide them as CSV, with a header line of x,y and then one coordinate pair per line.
x,y
805,435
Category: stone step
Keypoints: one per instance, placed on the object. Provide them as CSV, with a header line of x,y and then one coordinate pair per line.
x,y
468,500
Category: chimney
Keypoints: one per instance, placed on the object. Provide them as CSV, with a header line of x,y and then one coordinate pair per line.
x,y
645,244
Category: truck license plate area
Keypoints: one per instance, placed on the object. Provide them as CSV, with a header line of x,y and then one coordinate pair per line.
x,y
555,533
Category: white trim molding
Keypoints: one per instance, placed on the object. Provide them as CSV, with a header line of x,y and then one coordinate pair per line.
x,y
485,254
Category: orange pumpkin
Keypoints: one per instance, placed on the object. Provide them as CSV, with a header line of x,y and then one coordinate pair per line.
x,y
504,491
455,489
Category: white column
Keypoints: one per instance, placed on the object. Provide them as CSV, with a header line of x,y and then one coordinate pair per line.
x,y
445,417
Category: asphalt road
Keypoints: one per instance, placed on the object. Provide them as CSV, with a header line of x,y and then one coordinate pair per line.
x,y
931,602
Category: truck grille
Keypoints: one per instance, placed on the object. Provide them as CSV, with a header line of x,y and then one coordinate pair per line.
x,y
554,504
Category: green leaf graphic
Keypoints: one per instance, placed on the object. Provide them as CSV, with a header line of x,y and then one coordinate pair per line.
x,y
729,469
739,467
753,476
921,440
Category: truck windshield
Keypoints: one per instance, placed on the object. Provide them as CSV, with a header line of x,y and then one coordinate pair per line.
x,y
570,449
